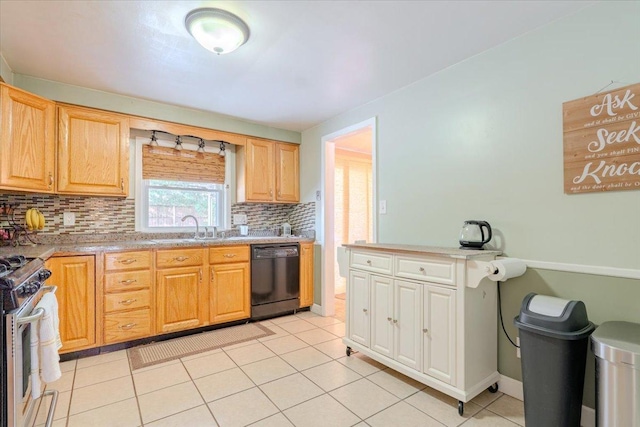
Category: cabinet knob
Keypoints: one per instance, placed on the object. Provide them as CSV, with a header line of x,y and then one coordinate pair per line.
x,y
425,330
128,326
128,301
395,320
270,193
364,310
421,269
369,261
389,319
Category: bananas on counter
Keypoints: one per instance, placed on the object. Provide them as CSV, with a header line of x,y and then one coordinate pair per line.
x,y
34,219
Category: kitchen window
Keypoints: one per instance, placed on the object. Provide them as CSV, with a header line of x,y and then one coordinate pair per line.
x,y
167,202
171,184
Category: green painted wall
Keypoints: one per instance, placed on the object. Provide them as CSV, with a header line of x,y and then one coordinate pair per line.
x,y
140,107
5,71
483,140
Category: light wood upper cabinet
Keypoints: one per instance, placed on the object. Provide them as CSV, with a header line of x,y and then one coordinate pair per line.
x,y
268,171
75,278
27,141
93,152
306,274
287,173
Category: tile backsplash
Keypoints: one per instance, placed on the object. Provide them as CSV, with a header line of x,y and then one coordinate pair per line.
x,y
108,215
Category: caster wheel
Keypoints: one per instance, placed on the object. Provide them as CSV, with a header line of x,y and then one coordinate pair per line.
x,y
460,408
493,388
349,351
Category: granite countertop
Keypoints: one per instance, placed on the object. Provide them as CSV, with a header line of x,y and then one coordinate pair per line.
x,y
424,250
46,251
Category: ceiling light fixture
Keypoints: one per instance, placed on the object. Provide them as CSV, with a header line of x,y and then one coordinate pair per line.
x,y
178,143
217,30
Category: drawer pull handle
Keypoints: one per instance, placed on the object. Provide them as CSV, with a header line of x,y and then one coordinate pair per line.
x,y
181,258
50,180
421,269
389,319
128,301
425,330
369,261
122,184
128,326
229,255
128,281
127,261
364,310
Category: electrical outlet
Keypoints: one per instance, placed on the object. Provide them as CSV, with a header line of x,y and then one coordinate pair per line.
x,y
69,219
383,207
239,219
518,349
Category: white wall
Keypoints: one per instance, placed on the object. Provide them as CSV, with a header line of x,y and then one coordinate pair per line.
x,y
483,140
5,71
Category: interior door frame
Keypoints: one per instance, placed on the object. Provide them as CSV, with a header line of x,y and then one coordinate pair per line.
x,y
327,215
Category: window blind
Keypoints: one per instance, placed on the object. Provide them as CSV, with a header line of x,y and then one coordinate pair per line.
x,y
181,165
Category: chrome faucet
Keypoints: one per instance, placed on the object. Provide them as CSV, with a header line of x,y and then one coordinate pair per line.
x,y
197,235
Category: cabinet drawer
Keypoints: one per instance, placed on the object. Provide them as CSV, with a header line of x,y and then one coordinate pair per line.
x,y
127,326
179,258
371,261
127,300
117,282
438,270
119,261
228,254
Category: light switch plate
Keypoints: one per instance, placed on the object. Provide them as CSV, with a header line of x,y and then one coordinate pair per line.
x,y
69,218
239,219
383,207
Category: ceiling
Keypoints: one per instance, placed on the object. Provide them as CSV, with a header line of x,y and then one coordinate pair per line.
x,y
305,62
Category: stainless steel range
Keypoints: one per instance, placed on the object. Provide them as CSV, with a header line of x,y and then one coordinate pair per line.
x,y
21,287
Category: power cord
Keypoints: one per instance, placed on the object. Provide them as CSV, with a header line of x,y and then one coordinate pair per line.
x,y
502,321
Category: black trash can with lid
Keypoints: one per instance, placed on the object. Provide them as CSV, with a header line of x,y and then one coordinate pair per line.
x,y
554,334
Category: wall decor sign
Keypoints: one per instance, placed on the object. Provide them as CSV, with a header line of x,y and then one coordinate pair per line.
x,y
602,141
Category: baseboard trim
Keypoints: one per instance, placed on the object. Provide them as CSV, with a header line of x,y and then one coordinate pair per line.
x,y
514,389
317,309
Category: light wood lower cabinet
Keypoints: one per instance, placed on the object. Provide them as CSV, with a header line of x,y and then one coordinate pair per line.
x,y
128,296
75,278
306,274
230,290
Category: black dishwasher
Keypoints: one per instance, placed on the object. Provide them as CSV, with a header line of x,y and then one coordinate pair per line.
x,y
275,279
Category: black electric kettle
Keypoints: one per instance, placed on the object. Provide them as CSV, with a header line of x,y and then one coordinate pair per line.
x,y
475,234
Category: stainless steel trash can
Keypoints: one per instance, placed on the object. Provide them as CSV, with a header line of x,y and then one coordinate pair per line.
x,y
616,346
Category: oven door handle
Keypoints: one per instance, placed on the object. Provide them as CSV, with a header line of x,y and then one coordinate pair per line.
x,y
52,408
39,312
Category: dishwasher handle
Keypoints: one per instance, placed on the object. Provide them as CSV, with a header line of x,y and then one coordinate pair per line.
x,y
270,252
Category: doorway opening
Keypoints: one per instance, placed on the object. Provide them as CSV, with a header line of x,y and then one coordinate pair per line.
x,y
349,204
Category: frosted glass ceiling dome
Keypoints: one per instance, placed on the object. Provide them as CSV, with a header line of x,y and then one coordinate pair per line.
x,y
217,30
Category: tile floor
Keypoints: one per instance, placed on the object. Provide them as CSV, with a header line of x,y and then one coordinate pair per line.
x,y
298,377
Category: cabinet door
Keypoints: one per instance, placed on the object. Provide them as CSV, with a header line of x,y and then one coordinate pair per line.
x,y
259,170
358,300
75,278
93,152
230,296
407,322
382,315
439,330
178,299
287,173
27,141
306,274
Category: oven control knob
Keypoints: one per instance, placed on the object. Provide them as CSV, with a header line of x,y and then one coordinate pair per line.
x,y
44,274
32,288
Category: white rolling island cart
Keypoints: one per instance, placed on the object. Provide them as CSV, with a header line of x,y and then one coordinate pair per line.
x,y
425,312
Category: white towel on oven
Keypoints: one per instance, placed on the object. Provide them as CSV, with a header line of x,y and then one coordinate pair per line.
x,y
50,342
35,364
